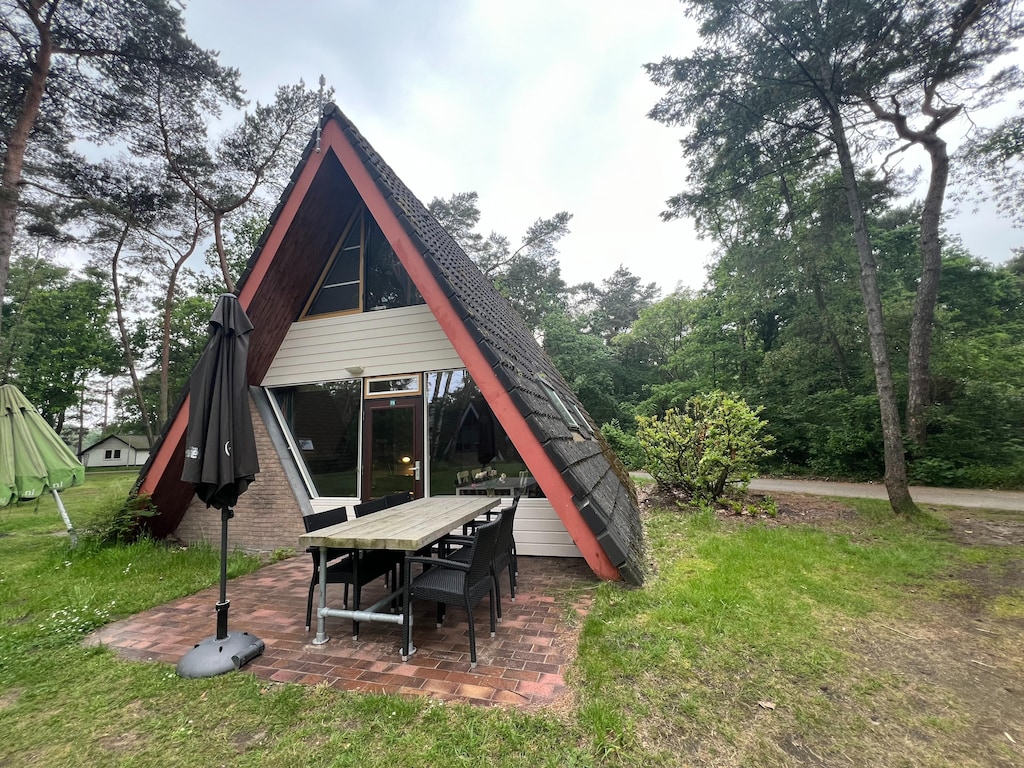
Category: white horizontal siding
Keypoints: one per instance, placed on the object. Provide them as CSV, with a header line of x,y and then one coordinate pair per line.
x,y
539,531
405,340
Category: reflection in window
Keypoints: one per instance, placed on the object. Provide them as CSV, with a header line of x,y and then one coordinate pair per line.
x,y
381,386
363,273
324,422
339,288
466,439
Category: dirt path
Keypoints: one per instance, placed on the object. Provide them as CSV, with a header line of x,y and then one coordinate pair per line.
x,y
1010,501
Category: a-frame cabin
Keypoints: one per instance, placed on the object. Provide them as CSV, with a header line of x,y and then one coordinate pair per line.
x,y
383,359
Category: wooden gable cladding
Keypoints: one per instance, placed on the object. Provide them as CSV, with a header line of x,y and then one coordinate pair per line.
x,y
292,253
298,261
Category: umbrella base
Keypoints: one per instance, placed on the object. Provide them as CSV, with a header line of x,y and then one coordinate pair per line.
x,y
214,657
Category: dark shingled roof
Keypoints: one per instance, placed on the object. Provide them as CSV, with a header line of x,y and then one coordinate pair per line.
x,y
601,488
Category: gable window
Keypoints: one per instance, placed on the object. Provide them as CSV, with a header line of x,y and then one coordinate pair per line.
x,y
112,454
363,273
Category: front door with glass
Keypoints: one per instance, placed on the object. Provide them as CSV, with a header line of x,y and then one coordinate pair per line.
x,y
392,447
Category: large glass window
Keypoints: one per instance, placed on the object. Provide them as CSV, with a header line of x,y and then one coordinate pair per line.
x,y
468,446
363,273
324,423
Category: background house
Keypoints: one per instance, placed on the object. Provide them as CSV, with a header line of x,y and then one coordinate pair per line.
x,y
116,451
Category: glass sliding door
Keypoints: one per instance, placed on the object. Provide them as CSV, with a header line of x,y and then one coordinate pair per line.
x,y
466,441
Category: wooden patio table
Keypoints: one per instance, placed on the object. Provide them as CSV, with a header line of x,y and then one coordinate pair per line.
x,y
408,527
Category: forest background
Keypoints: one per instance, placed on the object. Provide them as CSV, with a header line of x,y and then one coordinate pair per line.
x,y
187,174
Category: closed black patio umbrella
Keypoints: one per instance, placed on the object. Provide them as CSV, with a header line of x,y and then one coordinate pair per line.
x,y
221,462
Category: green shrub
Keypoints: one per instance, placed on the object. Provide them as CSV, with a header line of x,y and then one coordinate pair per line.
x,y
119,520
625,445
715,442
944,473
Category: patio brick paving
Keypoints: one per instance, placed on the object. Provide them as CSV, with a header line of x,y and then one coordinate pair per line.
x,y
524,665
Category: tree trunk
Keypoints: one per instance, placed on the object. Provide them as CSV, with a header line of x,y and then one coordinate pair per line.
x,y
14,159
222,258
895,459
126,338
919,362
165,345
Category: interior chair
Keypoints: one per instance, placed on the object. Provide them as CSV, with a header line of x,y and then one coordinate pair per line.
x,y
450,582
504,552
344,566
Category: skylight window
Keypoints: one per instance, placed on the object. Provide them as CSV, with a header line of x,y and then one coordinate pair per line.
x,y
560,408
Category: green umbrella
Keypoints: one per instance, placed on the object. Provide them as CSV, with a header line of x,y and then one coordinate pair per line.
x,y
32,457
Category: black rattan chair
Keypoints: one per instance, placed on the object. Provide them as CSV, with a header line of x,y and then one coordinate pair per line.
x,y
450,582
504,552
344,566
514,558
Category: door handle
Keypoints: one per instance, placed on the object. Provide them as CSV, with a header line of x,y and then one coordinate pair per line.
x,y
416,471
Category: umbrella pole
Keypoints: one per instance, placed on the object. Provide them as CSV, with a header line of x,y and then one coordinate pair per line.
x,y
216,655
65,518
222,607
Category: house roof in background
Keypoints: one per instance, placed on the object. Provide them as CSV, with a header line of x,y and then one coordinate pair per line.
x,y
139,442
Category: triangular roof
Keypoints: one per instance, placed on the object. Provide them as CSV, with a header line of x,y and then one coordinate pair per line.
x,y
588,487
139,442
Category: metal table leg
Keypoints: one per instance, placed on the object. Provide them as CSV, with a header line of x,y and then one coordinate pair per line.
x,y
321,614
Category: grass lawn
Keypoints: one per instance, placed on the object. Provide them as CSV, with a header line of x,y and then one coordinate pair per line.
x,y
853,639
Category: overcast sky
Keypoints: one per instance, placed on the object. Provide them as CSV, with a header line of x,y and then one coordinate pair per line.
x,y
538,106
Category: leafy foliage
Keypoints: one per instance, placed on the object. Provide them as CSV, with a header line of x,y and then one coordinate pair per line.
x,y
529,276
77,73
626,446
56,335
119,520
715,442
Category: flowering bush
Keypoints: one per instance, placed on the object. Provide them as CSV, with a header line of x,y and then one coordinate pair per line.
x,y
715,442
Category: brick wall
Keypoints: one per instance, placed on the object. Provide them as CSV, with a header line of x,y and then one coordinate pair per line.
x,y
267,516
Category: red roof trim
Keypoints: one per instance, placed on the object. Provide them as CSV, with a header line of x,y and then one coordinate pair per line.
x,y
548,476
172,440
